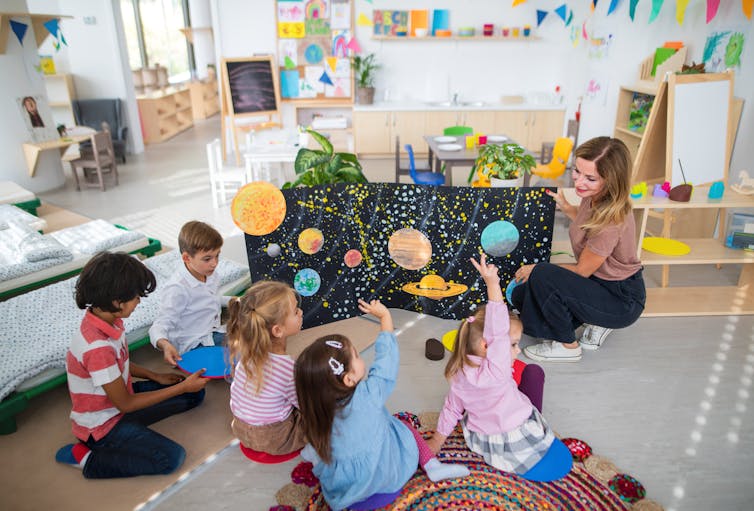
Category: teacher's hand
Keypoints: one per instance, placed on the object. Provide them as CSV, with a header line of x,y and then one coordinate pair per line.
x,y
522,274
559,198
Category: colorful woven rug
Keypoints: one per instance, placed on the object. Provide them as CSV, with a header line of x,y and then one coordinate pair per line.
x,y
593,484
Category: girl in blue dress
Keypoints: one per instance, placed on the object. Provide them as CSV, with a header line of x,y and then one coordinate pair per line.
x,y
356,446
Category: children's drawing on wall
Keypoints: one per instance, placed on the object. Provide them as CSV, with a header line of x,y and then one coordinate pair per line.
x,y
407,245
288,53
340,14
37,118
291,16
317,17
340,39
599,45
723,50
596,91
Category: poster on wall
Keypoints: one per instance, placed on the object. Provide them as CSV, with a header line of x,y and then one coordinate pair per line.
x,y
723,50
407,245
37,118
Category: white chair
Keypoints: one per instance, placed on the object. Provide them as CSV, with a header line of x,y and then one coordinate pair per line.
x,y
224,181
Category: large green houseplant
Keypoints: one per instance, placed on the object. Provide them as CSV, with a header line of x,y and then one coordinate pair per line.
x,y
324,166
506,162
364,69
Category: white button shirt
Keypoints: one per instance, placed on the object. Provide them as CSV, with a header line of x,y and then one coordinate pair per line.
x,y
189,311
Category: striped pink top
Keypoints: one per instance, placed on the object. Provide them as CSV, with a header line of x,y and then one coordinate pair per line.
x,y
276,398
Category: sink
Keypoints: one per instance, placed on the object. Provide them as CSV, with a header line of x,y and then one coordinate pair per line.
x,y
440,103
459,104
471,103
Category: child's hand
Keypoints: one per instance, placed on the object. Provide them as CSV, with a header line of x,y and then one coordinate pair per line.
x,y
168,378
487,271
378,310
195,382
169,352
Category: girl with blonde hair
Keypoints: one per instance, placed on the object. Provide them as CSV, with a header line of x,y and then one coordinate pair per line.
x,y
604,290
263,394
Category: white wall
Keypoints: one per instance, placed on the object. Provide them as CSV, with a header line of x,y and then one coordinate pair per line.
x,y
204,43
485,70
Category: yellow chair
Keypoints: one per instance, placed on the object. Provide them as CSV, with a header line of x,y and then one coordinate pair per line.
x,y
557,166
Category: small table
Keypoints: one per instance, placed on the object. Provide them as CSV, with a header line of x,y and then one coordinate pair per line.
x,y
258,161
32,149
463,157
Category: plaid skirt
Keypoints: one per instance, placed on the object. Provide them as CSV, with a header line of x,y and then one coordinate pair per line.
x,y
515,451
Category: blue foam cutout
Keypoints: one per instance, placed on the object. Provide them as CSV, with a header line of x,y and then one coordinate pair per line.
x,y
555,465
509,290
212,358
375,501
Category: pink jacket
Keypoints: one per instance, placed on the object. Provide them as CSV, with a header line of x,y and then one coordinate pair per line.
x,y
487,393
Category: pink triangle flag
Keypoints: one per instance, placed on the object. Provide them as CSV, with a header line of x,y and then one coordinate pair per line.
x,y
353,45
712,6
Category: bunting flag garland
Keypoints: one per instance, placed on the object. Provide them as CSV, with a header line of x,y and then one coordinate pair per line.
x,y
594,4
583,31
712,6
53,28
325,78
353,45
570,18
632,9
332,62
363,21
613,5
747,5
518,2
656,6
19,29
680,10
561,11
541,15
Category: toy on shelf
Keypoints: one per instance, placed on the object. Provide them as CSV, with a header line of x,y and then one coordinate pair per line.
x,y
716,190
639,190
681,193
661,190
745,185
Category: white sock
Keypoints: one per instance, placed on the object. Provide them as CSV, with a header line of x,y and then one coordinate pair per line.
x,y
437,471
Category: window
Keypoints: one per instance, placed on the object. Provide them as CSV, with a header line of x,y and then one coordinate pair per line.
x,y
153,35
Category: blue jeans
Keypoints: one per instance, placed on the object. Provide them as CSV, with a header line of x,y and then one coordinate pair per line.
x,y
555,301
218,338
131,448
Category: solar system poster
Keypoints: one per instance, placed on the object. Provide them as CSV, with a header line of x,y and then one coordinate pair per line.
x,y
337,243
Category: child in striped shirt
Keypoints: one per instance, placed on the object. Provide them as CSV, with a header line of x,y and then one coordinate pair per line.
x,y
263,394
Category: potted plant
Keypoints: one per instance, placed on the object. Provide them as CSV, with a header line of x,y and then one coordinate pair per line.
x,y
364,69
324,166
502,164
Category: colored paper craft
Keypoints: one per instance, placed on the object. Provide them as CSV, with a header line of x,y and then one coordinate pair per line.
x,y
712,6
353,45
366,215
656,6
680,10
291,30
288,63
289,83
541,15
325,78
561,11
747,5
665,246
332,61
19,29
613,6
363,21
661,55
632,9
518,2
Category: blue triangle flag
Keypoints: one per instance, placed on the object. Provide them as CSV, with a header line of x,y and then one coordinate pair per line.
x,y
19,29
613,5
325,78
52,27
594,4
561,11
541,15
570,18
632,9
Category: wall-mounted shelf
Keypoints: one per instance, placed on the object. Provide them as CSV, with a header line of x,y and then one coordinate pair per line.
x,y
37,22
498,38
189,32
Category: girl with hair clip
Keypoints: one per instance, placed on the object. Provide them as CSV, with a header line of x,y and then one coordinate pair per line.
x,y
605,288
499,421
358,448
263,395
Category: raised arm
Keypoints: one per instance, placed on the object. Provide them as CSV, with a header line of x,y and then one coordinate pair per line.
x,y
490,277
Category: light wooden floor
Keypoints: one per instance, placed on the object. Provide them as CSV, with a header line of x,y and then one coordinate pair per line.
x,y
667,400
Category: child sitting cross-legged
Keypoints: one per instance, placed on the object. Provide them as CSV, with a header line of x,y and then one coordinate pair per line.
x,y
111,412
358,449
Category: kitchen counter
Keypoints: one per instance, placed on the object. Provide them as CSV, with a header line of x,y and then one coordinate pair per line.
x,y
417,105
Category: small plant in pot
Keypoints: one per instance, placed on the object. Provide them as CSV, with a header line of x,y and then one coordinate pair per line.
x,y
325,166
364,69
505,162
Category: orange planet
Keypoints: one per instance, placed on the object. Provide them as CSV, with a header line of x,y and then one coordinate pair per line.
x,y
352,258
434,287
258,208
409,248
311,240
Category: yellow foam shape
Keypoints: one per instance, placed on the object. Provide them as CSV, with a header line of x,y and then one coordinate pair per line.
x,y
665,246
449,340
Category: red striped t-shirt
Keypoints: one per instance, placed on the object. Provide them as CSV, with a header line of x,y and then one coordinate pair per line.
x,y
98,355
275,400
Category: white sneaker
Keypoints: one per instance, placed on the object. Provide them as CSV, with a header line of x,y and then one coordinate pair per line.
x,y
594,336
553,351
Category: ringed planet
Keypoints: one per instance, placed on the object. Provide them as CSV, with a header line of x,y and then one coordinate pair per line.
x,y
434,287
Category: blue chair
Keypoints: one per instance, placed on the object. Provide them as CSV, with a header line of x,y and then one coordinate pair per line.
x,y
422,178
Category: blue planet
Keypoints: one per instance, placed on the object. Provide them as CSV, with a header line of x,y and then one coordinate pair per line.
x,y
307,282
499,238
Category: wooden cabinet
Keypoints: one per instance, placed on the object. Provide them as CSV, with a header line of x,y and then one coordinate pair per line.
x,y
375,132
531,128
671,300
205,101
165,113
60,96
341,138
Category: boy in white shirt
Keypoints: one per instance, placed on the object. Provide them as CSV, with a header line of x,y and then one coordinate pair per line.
x,y
190,309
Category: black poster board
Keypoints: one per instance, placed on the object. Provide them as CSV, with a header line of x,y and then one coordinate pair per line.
x,y
251,86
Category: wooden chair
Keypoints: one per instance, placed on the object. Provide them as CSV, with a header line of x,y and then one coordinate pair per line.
x,y
100,161
223,181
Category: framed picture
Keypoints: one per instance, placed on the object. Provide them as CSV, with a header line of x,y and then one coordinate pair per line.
x,y
37,117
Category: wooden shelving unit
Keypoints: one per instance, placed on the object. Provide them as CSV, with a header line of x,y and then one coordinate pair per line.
x,y
60,95
691,300
164,114
205,100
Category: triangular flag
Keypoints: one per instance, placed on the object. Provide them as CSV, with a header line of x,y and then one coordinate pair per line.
x,y
712,6
353,45
517,2
331,61
594,4
583,31
747,5
613,5
541,15
656,6
680,10
561,11
570,18
632,9
363,21
288,62
52,27
19,29
325,78
62,37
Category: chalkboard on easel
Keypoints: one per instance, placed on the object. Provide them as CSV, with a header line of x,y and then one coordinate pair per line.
x,y
251,86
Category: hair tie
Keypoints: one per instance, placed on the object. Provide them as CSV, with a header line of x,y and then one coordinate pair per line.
x,y
334,344
336,366
470,319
